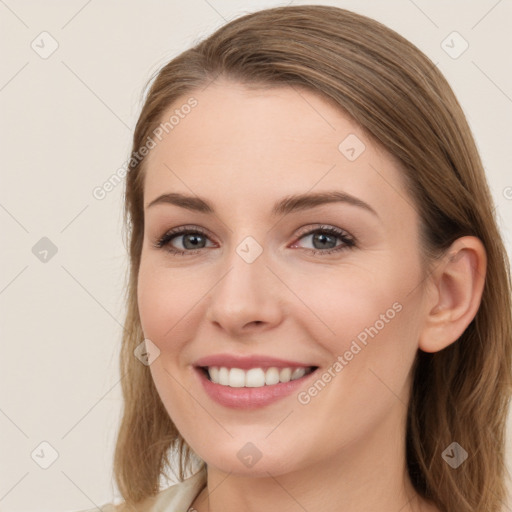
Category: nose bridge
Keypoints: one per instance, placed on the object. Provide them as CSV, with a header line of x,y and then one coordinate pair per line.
x,y
244,293
246,269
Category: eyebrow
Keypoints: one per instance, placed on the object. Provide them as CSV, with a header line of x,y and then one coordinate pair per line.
x,y
284,206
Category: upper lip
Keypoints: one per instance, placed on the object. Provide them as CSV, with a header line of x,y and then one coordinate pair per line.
x,y
247,362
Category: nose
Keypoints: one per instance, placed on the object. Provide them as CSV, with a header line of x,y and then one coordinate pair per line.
x,y
247,298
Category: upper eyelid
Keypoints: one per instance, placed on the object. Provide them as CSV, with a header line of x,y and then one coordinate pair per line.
x,y
179,230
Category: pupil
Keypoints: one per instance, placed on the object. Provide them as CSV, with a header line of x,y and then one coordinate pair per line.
x,y
322,236
191,237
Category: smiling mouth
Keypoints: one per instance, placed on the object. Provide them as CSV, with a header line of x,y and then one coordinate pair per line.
x,y
254,377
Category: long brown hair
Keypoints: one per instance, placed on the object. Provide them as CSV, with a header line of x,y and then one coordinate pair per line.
x,y
399,97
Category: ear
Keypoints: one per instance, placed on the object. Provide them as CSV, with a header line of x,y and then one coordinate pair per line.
x,y
455,291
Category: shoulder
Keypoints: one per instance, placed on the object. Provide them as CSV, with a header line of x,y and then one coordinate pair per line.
x,y
176,498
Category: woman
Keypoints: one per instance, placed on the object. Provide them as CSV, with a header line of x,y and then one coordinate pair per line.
x,y
371,373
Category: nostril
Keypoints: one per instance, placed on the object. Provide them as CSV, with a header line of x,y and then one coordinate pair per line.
x,y
256,322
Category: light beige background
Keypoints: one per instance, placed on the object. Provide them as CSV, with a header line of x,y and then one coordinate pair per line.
x,y
66,124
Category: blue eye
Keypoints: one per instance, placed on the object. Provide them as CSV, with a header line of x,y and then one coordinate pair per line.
x,y
192,244
183,232
328,234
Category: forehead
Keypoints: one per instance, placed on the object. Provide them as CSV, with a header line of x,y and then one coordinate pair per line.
x,y
256,145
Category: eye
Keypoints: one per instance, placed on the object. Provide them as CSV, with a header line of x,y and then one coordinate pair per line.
x,y
325,236
193,239
194,243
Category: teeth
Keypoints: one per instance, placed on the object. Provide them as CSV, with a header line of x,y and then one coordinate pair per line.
x,y
285,374
255,377
298,373
236,378
271,376
224,376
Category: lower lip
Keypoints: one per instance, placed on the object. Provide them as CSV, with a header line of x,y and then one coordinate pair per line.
x,y
249,398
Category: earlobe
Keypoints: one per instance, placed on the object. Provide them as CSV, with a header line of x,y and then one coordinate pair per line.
x,y
458,281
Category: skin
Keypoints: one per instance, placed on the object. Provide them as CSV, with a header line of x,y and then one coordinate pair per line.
x,y
243,150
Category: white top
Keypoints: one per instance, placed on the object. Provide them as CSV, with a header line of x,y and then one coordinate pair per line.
x,y
177,498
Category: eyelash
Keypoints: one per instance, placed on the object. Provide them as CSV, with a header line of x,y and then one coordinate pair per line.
x,y
348,241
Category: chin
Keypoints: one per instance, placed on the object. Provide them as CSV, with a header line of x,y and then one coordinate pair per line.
x,y
251,459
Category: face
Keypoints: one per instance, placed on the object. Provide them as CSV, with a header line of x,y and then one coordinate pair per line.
x,y
334,285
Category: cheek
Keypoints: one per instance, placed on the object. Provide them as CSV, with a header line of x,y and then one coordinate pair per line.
x,y
348,302
164,299
152,302
366,380
166,309
369,325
